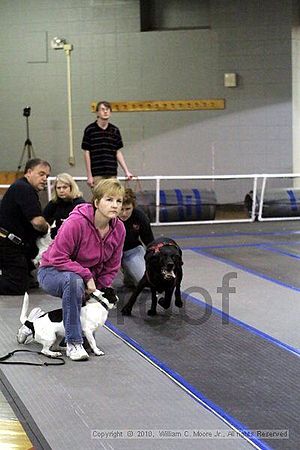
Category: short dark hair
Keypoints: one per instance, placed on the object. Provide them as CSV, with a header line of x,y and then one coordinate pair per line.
x,y
31,163
129,197
105,103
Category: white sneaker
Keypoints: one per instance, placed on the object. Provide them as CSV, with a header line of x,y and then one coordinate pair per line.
x,y
76,352
23,334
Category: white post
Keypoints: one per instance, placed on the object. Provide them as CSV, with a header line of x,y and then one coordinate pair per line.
x,y
296,101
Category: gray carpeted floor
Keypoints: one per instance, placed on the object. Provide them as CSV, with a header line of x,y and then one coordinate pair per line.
x,y
238,375
71,406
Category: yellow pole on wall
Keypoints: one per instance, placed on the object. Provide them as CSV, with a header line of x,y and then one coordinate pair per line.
x,y
68,48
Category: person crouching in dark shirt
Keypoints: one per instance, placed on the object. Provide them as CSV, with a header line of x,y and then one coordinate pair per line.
x,y
138,235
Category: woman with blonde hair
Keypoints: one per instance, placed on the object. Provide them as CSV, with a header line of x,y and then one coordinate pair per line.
x,y
65,196
84,256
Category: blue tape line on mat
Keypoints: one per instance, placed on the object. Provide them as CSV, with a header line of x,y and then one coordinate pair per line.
x,y
260,245
198,204
195,393
163,209
214,247
279,252
293,200
180,208
245,326
244,268
249,244
220,235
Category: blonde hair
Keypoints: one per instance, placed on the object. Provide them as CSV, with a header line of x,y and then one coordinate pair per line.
x,y
108,186
69,180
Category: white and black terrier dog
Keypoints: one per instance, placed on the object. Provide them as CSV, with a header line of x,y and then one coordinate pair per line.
x,y
47,328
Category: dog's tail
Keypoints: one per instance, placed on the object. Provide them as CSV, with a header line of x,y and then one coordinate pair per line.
x,y
26,332
23,316
35,313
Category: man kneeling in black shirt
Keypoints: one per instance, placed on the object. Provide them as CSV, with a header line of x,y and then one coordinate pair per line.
x,y
21,222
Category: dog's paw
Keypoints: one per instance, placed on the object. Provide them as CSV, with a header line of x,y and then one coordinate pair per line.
x,y
126,311
51,354
164,303
178,302
98,352
151,312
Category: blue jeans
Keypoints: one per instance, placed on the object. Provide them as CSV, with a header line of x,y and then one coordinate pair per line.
x,y
133,264
70,287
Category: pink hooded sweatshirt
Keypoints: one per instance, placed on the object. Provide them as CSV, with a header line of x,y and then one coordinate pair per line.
x,y
79,248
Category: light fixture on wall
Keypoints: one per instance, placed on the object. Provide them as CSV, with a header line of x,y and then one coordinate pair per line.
x,y
58,43
230,79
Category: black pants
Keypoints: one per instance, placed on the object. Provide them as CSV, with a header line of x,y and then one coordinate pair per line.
x,y
13,269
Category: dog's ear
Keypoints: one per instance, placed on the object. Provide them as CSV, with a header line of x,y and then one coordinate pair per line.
x,y
152,259
110,294
177,260
149,255
179,251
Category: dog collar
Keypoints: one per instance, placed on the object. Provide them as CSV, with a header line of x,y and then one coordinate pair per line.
x,y
156,247
99,301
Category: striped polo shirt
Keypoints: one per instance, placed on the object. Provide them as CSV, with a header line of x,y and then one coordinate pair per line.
x,y
103,146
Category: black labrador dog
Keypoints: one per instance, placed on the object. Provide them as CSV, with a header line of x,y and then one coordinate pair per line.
x,y
163,274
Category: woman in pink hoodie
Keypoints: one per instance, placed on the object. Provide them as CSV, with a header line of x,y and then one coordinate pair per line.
x,y
84,256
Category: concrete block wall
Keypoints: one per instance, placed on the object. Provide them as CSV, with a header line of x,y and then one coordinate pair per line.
x,y
112,59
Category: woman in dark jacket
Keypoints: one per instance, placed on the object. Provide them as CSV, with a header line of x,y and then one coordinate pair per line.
x,y
65,197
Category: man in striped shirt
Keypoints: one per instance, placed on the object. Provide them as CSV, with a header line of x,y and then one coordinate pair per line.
x,y
102,143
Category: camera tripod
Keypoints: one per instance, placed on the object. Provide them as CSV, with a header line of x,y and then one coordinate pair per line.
x,y
28,148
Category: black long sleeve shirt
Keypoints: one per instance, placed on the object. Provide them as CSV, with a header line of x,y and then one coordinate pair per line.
x,y
59,211
138,230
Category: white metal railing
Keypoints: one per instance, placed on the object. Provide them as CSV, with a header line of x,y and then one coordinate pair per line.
x,y
265,178
256,208
158,178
